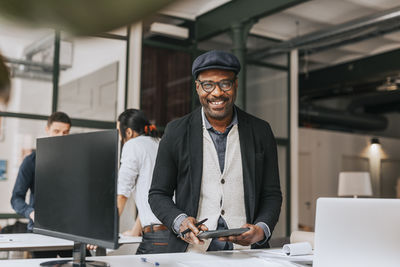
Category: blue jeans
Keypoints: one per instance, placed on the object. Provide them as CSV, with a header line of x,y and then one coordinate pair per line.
x,y
154,242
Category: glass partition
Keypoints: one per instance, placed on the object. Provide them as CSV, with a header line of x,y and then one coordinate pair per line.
x,y
29,55
90,89
92,77
267,97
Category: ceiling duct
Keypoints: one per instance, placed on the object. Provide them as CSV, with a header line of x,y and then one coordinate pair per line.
x,y
352,31
37,62
42,51
380,102
40,76
310,114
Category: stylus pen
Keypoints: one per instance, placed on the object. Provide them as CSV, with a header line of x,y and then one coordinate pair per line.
x,y
155,263
188,230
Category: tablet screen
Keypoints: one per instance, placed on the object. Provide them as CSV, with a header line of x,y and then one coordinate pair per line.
x,y
220,233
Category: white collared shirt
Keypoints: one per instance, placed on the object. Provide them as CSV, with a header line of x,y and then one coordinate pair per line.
x,y
135,174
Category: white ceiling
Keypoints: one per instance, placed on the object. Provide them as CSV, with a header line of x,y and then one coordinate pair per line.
x,y
309,17
191,9
316,15
298,20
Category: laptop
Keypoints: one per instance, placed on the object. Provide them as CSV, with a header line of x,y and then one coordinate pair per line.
x,y
357,232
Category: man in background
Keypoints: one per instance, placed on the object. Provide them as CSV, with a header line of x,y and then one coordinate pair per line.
x,y
58,124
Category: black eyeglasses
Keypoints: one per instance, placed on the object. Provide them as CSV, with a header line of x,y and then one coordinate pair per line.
x,y
209,86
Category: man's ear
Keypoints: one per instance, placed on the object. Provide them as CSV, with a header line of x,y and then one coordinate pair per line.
x,y
47,129
198,85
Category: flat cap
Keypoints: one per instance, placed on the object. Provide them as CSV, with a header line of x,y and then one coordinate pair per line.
x,y
215,60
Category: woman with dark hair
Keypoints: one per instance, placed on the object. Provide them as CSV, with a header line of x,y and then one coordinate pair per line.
x,y
140,144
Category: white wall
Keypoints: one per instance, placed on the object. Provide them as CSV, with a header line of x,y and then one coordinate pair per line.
x,y
323,154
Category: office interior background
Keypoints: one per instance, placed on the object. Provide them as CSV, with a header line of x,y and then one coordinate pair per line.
x,y
325,75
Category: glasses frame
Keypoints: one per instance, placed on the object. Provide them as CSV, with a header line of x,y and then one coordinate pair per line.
x,y
215,85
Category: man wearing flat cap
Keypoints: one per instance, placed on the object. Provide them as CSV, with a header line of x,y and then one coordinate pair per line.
x,y
221,164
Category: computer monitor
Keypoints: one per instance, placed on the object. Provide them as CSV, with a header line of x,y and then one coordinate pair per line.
x,y
75,189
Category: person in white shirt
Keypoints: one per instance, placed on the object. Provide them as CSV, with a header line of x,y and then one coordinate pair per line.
x,y
140,144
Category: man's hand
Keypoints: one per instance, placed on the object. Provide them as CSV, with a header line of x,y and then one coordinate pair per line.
x,y
32,215
255,234
91,247
191,237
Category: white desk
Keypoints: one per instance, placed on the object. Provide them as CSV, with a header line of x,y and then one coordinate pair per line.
x,y
36,242
222,258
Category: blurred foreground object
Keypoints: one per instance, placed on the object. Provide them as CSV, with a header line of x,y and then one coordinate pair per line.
x,y
80,16
5,84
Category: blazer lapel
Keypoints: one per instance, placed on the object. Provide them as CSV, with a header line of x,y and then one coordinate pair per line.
x,y
195,145
248,162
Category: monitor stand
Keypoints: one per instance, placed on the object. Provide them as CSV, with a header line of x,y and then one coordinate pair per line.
x,y
78,260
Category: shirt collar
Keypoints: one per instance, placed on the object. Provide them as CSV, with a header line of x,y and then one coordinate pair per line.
x,y
208,126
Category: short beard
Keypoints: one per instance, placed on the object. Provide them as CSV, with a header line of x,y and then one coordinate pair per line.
x,y
218,115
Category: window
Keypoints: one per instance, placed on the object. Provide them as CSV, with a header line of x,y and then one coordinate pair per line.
x,y
166,84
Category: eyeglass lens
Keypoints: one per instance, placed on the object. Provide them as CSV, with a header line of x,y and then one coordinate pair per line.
x,y
209,86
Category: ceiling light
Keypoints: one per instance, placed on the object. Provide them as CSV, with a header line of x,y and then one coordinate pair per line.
x,y
375,140
169,30
388,85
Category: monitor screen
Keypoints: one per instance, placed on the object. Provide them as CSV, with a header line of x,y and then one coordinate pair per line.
x,y
75,187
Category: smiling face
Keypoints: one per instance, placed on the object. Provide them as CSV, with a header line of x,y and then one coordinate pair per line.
x,y
218,104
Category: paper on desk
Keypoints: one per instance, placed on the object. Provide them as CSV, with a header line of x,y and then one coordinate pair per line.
x,y
296,249
278,254
236,263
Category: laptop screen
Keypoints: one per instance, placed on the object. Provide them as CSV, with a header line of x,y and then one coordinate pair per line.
x,y
357,232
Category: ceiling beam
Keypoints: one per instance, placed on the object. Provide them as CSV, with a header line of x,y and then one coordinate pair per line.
x,y
352,31
364,70
221,18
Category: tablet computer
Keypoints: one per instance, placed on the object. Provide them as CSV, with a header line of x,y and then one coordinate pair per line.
x,y
220,233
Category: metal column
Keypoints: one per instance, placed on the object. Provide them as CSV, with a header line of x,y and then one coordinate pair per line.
x,y
239,33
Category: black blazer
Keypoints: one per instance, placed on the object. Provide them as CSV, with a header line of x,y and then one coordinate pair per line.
x,y
179,168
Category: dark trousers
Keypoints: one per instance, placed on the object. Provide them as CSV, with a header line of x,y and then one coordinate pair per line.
x,y
154,242
215,244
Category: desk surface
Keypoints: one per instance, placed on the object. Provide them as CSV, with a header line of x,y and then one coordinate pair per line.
x,y
221,258
29,242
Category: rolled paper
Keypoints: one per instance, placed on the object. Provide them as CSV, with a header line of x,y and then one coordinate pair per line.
x,y
297,249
